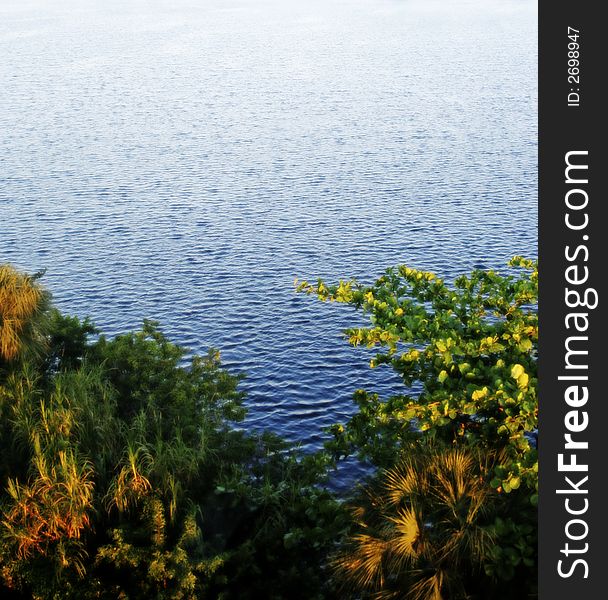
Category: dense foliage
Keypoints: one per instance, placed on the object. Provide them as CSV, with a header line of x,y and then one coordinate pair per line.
x,y
125,473
424,529
467,355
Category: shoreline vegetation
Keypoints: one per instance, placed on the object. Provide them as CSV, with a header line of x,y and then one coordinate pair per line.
x,y
124,473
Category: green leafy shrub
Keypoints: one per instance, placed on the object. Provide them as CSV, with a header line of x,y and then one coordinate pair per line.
x,y
467,356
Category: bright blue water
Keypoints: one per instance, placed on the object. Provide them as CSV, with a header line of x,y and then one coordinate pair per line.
x,y
185,160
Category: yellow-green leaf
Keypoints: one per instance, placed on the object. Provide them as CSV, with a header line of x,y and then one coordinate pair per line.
x,y
479,394
517,371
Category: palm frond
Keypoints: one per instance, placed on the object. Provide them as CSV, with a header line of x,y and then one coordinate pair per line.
x,y
22,302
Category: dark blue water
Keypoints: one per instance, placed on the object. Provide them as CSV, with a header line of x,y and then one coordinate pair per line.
x,y
185,160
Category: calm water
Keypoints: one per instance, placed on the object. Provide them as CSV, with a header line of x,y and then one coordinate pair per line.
x,y
185,160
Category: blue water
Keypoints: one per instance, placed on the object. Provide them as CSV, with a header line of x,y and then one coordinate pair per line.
x,y
185,160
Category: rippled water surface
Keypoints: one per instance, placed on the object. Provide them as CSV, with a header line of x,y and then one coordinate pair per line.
x,y
185,160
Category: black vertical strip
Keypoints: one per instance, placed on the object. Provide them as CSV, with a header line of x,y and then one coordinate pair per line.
x,y
571,120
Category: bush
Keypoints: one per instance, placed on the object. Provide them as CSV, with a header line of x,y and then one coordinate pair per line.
x,y
125,475
467,356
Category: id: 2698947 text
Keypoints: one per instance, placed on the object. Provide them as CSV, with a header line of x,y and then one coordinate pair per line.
x,y
574,67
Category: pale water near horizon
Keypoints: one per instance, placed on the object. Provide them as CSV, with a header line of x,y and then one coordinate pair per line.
x,y
185,161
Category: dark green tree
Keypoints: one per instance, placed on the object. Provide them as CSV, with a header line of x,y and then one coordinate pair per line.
x,y
125,474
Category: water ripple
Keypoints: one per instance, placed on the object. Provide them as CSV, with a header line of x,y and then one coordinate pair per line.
x,y
184,162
